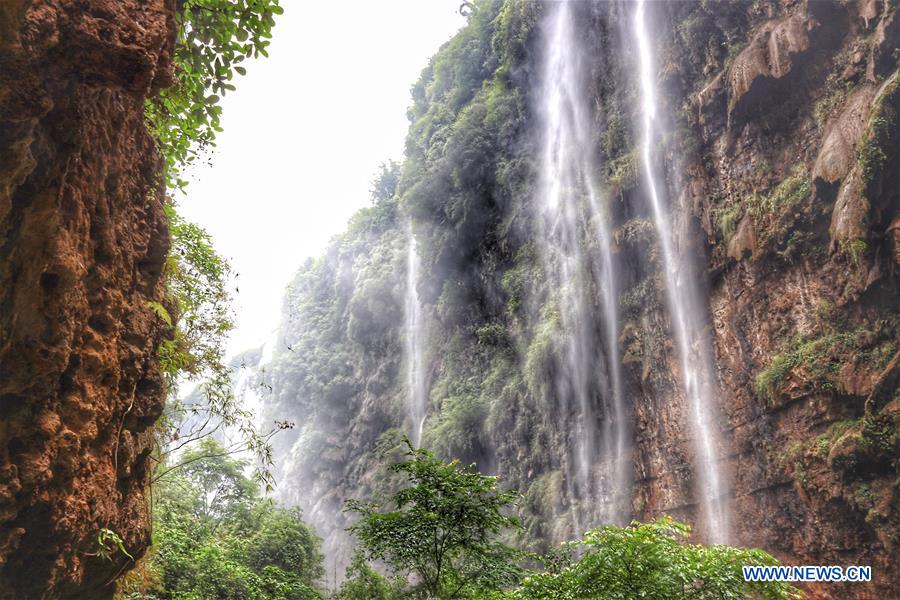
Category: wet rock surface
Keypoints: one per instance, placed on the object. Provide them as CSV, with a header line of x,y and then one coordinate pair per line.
x,y
814,462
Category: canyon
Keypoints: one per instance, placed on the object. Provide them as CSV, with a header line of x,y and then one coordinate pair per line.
x,y
767,195
640,259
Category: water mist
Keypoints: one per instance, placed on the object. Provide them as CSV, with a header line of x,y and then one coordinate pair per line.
x,y
685,306
582,274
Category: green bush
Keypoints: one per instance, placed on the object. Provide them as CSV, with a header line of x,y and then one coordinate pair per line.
x,y
653,561
772,214
214,538
820,359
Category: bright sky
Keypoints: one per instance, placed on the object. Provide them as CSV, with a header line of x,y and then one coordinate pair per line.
x,y
304,135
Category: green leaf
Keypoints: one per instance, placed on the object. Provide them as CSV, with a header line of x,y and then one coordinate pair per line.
x,y
161,312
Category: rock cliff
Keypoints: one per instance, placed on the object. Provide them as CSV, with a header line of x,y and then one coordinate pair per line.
x,y
83,240
781,167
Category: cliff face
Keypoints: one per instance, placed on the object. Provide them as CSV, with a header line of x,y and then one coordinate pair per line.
x,y
83,240
792,187
797,193
781,175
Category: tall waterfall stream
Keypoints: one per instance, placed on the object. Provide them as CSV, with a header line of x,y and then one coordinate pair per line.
x,y
685,303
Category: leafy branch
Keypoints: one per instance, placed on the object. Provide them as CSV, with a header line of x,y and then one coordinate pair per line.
x,y
214,37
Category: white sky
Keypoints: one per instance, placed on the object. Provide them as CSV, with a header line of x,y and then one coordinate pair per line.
x,y
304,135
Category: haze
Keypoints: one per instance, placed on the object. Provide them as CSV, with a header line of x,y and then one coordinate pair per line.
x,y
304,134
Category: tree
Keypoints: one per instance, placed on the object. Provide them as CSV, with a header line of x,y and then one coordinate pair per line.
x,y
444,528
384,185
652,561
279,538
362,582
219,480
215,538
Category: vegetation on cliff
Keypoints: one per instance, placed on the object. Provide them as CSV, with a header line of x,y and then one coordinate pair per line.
x,y
495,336
213,38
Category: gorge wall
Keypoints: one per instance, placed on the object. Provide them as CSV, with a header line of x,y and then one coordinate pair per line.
x,y
780,165
83,241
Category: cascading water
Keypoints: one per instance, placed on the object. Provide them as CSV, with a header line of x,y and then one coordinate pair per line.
x,y
248,388
686,309
415,343
572,212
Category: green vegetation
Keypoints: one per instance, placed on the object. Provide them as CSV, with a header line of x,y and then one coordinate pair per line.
x,y
384,210
108,543
874,149
516,280
818,361
707,37
827,440
624,171
215,538
836,90
543,348
466,184
869,440
214,37
197,310
772,214
726,218
362,582
855,251
651,560
198,300
443,528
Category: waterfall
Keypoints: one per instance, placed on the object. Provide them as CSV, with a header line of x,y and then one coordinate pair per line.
x,y
685,306
572,214
248,388
415,343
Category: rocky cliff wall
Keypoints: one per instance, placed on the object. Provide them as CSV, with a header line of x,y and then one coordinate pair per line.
x,y
796,193
781,171
83,241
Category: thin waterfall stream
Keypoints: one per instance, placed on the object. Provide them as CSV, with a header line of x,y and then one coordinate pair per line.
x,y
589,388
415,343
685,306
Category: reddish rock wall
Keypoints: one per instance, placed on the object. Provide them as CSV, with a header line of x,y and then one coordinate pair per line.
x,y
83,241
813,460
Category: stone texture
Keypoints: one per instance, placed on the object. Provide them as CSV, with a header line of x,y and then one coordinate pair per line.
x,y
83,240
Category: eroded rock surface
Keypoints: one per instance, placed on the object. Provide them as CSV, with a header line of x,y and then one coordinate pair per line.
x,y
814,456
83,240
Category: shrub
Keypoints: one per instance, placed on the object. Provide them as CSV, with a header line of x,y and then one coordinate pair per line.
x,y
653,561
